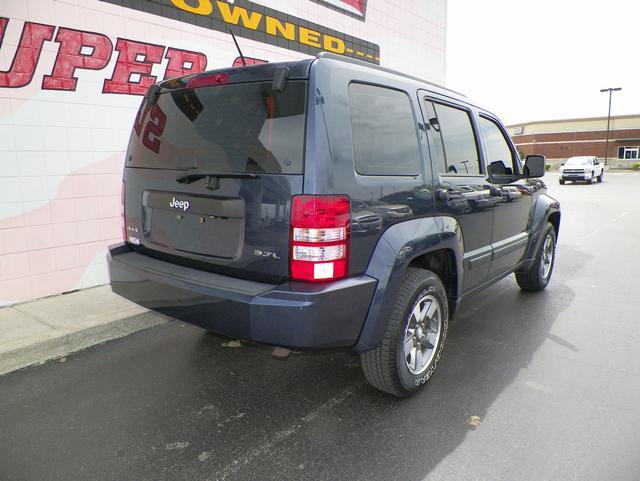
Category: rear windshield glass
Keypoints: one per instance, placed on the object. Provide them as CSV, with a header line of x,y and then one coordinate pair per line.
x,y
223,128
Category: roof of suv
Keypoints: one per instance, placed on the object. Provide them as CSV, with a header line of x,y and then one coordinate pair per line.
x,y
362,63
298,69
431,86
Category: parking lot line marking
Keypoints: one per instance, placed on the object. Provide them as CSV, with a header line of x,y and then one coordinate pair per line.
x,y
601,228
267,447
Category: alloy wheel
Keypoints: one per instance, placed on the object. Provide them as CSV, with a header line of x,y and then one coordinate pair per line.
x,y
548,253
422,334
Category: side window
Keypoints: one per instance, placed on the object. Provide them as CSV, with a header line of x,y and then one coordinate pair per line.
x,y
385,139
500,158
453,144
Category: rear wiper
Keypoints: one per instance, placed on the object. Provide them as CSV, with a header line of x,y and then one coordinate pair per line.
x,y
195,176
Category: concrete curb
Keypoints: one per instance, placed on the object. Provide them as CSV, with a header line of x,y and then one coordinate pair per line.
x,y
41,352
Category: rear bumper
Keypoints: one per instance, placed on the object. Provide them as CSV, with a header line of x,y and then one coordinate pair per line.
x,y
293,314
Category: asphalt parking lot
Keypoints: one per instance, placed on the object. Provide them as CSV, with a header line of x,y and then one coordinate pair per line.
x,y
553,378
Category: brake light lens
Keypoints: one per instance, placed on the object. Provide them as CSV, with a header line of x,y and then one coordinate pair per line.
x,y
207,80
319,237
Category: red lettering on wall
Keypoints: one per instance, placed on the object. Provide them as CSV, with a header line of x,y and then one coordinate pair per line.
x,y
70,56
155,127
92,51
27,54
184,62
131,74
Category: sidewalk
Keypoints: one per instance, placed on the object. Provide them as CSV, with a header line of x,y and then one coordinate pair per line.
x,y
49,328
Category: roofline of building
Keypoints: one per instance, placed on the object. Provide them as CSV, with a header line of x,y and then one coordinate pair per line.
x,y
557,121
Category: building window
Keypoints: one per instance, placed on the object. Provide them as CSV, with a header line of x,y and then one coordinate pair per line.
x,y
629,152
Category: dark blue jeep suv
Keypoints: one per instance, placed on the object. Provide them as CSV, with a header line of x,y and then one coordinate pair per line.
x,y
327,203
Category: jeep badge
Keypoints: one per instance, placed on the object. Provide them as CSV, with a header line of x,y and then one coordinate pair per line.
x,y
179,204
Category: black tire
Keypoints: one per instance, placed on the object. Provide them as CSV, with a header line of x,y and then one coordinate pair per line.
x,y
601,176
561,181
386,367
590,179
537,277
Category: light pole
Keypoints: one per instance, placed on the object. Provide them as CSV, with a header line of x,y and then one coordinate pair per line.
x,y
606,145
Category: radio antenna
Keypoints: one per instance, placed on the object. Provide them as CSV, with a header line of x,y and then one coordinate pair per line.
x,y
244,63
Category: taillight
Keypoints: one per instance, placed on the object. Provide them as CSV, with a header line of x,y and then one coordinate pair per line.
x,y
319,237
123,216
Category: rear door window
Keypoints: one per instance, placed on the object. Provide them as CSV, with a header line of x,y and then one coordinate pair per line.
x,y
385,138
223,128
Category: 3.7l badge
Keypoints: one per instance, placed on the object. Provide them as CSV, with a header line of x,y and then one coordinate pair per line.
x,y
258,252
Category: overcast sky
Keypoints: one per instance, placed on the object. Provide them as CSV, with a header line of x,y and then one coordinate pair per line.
x,y
543,59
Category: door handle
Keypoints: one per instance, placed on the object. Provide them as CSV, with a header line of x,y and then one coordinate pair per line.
x,y
442,194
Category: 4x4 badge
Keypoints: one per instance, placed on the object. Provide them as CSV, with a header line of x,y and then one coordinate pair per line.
x,y
179,204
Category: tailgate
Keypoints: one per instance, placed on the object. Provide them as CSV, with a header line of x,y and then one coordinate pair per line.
x,y
210,173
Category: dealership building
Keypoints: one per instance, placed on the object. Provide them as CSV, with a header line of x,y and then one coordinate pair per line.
x,y
558,140
73,73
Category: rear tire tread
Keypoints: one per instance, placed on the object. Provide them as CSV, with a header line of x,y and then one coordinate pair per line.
x,y
379,364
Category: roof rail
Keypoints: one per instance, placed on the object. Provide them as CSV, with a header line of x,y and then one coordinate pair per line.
x,y
362,63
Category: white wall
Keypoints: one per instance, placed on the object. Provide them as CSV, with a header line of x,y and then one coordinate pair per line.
x,y
62,148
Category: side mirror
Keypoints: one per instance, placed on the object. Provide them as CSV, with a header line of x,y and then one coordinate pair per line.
x,y
534,166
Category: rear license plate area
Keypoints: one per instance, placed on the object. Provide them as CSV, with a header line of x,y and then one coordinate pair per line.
x,y
207,226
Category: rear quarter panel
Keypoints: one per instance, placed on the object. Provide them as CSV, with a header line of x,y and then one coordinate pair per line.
x,y
329,168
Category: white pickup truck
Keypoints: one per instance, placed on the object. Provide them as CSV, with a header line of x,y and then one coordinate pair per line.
x,y
582,169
